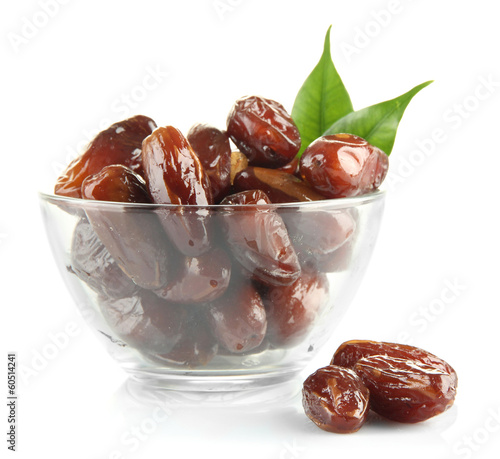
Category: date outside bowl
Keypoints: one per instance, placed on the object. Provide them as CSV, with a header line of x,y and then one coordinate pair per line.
x,y
212,298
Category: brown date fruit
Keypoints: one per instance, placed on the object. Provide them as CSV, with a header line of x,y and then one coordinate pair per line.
x,y
343,165
238,319
134,238
279,186
174,175
292,309
212,147
258,238
320,237
264,131
199,279
406,390
336,400
349,352
173,172
145,321
116,183
92,263
121,143
196,347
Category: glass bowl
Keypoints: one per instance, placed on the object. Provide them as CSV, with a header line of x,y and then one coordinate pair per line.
x,y
212,298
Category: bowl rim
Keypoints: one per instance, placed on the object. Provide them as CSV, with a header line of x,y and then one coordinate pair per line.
x,y
340,203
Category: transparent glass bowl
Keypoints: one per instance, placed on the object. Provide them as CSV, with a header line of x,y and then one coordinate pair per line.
x,y
214,298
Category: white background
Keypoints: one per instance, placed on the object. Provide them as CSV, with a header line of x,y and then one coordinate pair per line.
x,y
68,69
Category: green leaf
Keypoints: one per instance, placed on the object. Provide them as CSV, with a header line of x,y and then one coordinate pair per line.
x,y
322,99
378,123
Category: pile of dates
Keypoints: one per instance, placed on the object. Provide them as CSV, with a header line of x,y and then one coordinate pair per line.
x,y
399,382
184,281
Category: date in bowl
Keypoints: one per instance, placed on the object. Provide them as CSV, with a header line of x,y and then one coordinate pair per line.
x,y
213,298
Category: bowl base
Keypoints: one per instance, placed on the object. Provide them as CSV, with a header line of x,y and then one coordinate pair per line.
x,y
173,395
240,385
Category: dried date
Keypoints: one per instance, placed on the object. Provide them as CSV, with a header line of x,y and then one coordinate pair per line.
x,y
336,399
343,165
134,237
199,279
264,131
405,390
212,147
116,183
93,264
349,352
258,238
145,321
319,236
175,175
238,319
291,310
121,143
